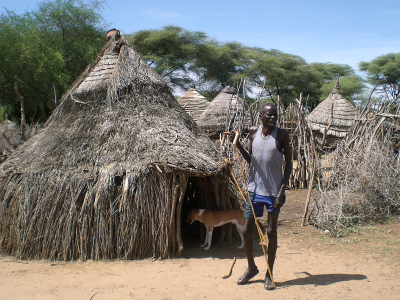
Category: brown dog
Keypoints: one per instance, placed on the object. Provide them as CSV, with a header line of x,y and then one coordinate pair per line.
x,y
215,218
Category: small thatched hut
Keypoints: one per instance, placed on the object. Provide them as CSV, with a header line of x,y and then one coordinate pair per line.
x,y
113,172
193,103
342,117
224,113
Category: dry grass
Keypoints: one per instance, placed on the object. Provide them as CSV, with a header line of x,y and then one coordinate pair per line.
x,y
363,182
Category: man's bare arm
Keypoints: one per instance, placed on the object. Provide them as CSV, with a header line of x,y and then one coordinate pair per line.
x,y
246,155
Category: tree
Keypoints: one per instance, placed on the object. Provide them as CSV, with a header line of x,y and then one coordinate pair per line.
x,y
171,51
44,51
285,75
384,71
351,85
221,64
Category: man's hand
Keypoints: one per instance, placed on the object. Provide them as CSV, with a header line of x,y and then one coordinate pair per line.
x,y
281,197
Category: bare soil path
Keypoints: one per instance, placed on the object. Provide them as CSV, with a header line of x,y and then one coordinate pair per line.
x,y
363,263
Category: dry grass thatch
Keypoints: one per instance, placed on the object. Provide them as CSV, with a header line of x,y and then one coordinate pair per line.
x,y
10,137
225,112
107,175
344,114
361,181
193,103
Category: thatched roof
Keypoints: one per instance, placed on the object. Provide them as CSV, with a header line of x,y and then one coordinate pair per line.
x,y
10,138
344,114
193,103
224,113
95,181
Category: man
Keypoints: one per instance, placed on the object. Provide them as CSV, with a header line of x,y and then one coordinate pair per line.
x,y
267,146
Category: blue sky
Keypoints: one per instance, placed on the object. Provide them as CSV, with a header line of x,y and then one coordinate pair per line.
x,y
344,32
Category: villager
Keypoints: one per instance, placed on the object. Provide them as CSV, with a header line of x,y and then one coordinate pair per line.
x,y
267,146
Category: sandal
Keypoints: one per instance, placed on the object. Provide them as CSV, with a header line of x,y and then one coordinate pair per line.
x,y
245,278
268,285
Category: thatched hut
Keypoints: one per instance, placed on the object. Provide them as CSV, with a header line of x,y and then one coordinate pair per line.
x,y
335,111
113,172
193,103
225,112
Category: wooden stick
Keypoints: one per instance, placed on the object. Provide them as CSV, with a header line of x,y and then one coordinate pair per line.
x,y
227,275
224,137
310,186
237,184
184,180
22,111
236,137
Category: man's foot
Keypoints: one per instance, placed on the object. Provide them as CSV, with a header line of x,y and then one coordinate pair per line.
x,y
245,278
268,285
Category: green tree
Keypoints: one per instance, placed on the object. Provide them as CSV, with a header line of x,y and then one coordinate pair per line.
x,y
221,64
351,85
384,71
45,50
285,75
171,51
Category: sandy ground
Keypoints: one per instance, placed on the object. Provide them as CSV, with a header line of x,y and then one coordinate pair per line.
x,y
363,264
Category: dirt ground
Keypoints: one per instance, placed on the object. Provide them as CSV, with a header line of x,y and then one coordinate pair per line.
x,y
363,263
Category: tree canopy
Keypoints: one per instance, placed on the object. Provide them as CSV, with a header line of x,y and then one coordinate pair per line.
x,y
384,71
44,51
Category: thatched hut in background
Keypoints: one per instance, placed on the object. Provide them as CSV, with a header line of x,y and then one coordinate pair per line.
x,y
335,115
193,103
113,170
225,112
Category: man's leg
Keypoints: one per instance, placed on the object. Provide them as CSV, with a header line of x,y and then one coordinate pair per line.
x,y
248,247
272,246
248,243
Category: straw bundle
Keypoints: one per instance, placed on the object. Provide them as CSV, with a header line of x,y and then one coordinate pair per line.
x,y
107,175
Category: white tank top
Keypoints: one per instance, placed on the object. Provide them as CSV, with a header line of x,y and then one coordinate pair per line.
x,y
265,174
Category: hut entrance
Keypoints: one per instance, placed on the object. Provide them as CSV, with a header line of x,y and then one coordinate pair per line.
x,y
212,193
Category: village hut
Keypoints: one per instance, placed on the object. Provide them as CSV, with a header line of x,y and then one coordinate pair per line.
x,y
193,103
113,172
335,115
226,112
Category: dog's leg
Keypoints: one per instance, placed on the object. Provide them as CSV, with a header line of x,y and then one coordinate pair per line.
x,y
207,243
240,230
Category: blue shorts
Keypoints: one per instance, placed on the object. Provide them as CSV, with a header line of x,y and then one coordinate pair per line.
x,y
258,204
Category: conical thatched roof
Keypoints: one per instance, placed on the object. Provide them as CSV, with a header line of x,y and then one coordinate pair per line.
x,y
344,114
224,113
97,181
193,103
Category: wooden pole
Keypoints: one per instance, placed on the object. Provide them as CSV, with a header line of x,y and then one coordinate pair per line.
x,y
22,111
184,180
310,186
